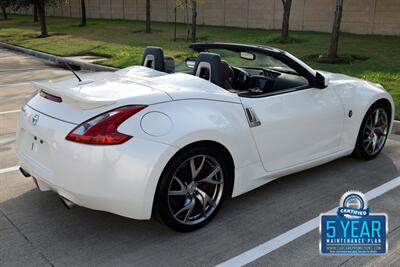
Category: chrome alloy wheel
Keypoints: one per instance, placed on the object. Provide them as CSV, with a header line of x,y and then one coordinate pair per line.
x,y
375,131
196,189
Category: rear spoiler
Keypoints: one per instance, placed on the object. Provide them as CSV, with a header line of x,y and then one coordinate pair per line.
x,y
72,95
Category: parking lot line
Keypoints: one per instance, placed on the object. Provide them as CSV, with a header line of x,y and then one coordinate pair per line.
x,y
14,84
26,69
285,238
9,111
10,169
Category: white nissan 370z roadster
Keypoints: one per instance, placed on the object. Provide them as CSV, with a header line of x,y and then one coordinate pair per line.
x,y
149,140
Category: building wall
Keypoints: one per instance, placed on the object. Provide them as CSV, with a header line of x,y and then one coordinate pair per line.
x,y
359,16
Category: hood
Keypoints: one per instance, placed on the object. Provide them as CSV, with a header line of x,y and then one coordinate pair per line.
x,y
338,76
343,78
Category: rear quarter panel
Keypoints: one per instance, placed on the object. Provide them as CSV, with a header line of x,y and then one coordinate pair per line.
x,y
195,120
201,120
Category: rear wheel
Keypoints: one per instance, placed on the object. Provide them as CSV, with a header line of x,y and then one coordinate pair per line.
x,y
192,189
373,132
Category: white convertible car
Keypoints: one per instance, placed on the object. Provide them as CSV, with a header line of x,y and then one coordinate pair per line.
x,y
148,140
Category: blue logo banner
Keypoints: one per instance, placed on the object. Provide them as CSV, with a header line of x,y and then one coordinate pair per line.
x,y
353,229
366,235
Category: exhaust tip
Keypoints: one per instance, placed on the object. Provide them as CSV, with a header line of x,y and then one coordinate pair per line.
x,y
67,203
24,173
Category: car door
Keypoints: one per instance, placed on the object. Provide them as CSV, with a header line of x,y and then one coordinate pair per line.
x,y
296,127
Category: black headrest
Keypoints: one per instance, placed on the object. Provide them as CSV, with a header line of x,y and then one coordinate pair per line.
x,y
208,66
154,58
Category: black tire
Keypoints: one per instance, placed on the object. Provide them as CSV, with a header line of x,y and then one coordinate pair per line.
x,y
162,205
360,150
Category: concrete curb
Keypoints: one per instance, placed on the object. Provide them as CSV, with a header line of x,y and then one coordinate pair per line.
x,y
56,59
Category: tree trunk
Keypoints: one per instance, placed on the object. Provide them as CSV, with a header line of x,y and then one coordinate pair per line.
x,y
35,12
187,20
287,4
4,12
148,16
175,24
335,31
42,18
194,20
83,8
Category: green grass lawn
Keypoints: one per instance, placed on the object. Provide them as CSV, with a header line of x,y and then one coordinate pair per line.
x,y
122,42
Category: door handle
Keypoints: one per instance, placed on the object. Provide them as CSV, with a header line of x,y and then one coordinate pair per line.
x,y
252,117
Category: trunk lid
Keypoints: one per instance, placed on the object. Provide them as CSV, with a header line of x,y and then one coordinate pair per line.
x,y
97,93
179,86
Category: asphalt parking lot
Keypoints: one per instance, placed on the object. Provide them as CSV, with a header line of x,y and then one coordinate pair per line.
x,y
36,229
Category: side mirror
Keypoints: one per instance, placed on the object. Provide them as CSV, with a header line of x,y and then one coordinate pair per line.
x,y
191,62
321,81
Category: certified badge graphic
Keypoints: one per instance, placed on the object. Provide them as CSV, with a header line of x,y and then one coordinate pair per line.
x,y
353,230
354,205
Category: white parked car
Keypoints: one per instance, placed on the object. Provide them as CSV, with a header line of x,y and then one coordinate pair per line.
x,y
148,140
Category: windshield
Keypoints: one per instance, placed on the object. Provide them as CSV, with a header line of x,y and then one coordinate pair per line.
x,y
259,61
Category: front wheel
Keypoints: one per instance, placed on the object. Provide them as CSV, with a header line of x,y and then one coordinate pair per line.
x,y
192,189
373,132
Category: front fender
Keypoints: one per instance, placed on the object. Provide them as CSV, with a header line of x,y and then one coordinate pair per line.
x,y
358,96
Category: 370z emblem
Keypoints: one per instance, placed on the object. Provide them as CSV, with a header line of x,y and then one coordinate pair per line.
x,y
35,120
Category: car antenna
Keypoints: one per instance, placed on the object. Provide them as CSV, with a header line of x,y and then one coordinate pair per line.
x,y
76,75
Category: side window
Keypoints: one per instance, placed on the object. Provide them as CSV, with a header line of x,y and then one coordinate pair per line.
x,y
264,86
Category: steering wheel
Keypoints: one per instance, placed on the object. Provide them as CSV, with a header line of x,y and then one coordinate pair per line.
x,y
228,74
241,76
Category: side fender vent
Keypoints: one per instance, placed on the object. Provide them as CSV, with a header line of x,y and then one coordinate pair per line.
x,y
252,117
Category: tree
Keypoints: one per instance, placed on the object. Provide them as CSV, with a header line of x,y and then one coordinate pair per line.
x,y
3,8
287,4
184,4
175,11
41,10
148,16
191,28
188,5
194,20
5,4
41,7
83,8
332,56
178,4
35,12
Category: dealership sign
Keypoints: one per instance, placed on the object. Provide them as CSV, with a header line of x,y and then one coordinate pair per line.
x,y
353,229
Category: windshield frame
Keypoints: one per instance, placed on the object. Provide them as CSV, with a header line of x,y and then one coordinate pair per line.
x,y
261,61
294,63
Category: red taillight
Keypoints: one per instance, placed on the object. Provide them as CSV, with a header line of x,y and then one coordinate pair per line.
x,y
50,96
102,129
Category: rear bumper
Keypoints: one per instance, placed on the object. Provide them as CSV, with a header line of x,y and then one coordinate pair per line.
x,y
119,179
